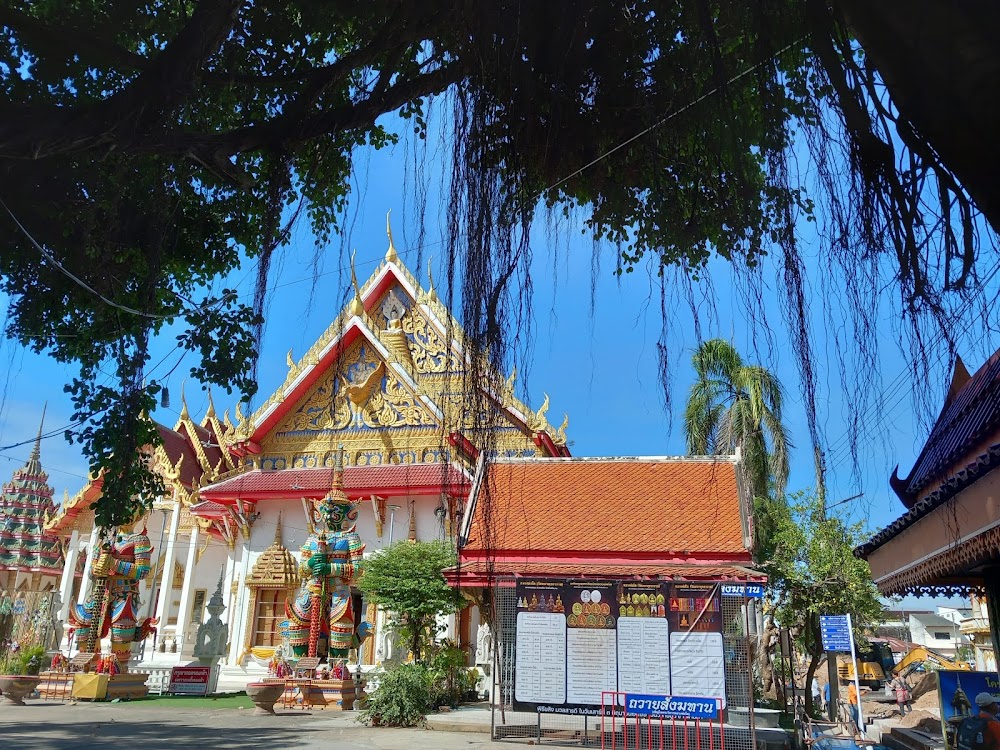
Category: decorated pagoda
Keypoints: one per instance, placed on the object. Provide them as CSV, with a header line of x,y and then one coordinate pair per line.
x,y
30,557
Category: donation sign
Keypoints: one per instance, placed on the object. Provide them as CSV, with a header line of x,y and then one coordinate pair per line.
x,y
577,639
189,680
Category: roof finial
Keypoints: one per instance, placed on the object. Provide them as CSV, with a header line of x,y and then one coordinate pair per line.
x,y
390,255
357,306
211,406
431,294
184,404
36,452
277,531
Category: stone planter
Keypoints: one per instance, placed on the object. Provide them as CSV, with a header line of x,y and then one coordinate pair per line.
x,y
264,695
15,687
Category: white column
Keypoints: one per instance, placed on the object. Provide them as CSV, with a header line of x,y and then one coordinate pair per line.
x,y
68,575
183,615
166,560
93,548
241,605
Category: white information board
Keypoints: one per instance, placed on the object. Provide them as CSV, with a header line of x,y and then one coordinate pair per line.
x,y
592,665
643,655
540,666
698,664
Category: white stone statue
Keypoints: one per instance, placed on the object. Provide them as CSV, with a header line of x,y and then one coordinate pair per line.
x,y
484,646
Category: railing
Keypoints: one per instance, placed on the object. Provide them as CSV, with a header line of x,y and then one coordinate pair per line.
x,y
644,722
159,679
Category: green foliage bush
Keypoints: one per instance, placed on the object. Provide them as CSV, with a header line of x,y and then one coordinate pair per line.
x,y
451,679
27,661
409,691
401,699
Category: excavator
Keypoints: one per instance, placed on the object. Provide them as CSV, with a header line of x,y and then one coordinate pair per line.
x,y
922,657
874,662
877,665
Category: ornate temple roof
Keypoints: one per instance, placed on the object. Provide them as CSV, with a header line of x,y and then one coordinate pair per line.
x,y
962,448
191,455
393,361
25,505
971,412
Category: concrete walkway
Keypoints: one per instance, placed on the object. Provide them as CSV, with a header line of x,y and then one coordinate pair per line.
x,y
58,726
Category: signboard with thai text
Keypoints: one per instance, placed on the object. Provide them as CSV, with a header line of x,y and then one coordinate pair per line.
x,y
189,680
579,639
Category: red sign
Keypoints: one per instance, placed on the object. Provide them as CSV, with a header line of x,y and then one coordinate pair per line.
x,y
189,680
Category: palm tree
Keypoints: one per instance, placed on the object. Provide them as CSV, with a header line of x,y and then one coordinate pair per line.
x,y
735,405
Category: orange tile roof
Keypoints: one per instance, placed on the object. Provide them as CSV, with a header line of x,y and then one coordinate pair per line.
x,y
646,506
597,569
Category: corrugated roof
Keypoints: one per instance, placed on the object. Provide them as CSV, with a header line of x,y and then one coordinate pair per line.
x,y
358,481
639,505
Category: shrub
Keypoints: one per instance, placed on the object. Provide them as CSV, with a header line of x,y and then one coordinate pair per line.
x,y
450,678
401,699
26,661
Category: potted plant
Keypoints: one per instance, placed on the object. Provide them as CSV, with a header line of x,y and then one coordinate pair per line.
x,y
19,673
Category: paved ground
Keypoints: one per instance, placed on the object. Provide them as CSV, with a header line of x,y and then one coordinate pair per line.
x,y
56,726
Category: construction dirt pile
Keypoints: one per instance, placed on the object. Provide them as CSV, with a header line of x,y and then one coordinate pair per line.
x,y
926,684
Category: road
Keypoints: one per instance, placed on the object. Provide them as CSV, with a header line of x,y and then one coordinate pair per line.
x,y
55,726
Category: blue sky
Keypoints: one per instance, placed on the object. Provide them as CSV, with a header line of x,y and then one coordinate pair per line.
x,y
596,359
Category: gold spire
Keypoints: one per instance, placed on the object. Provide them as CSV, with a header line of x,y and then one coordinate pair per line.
x,y
185,414
357,306
390,255
36,452
277,531
211,406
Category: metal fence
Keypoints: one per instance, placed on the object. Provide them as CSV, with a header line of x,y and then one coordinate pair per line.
x,y
735,732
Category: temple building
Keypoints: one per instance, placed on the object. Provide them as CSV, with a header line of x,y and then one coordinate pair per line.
x,y
31,558
947,543
386,384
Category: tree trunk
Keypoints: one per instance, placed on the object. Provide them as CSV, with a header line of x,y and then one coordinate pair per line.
x,y
766,645
814,660
941,64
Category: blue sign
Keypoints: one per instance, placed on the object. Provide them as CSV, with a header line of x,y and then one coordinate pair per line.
x,y
672,706
747,590
835,631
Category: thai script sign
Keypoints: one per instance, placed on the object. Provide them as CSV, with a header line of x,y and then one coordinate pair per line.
x,y
672,706
747,590
189,680
579,639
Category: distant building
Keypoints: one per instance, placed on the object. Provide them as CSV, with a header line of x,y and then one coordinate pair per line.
x,y
936,632
976,627
939,631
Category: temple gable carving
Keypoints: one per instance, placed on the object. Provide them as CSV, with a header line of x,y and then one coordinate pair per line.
x,y
362,393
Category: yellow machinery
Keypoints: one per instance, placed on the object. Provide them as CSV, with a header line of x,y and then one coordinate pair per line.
x,y
874,662
923,657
